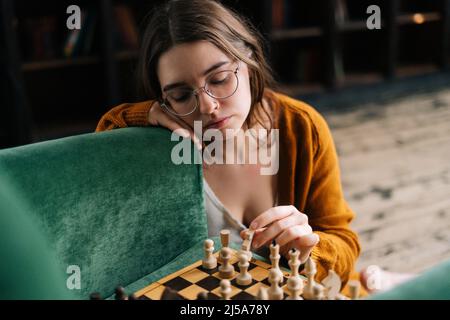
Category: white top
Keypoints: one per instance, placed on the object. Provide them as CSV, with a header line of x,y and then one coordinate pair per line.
x,y
220,218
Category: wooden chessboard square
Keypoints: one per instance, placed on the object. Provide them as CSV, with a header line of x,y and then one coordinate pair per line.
x,y
209,283
194,275
259,273
155,294
234,283
243,295
177,283
191,292
234,291
253,290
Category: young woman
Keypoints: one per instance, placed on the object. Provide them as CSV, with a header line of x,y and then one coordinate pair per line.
x,y
200,61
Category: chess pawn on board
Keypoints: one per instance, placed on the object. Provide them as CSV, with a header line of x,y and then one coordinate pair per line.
x,y
310,270
225,289
295,287
332,283
209,261
226,270
262,294
275,292
244,278
318,292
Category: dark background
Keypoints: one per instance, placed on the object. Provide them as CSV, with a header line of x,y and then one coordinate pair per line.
x,y
317,48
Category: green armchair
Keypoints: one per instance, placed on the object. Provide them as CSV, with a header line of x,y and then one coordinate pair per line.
x,y
112,204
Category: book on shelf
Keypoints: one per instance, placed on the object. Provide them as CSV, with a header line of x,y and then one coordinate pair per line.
x,y
126,27
40,38
79,42
341,13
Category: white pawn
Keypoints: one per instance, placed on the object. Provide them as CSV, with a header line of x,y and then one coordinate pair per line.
x,y
275,292
295,287
226,270
262,294
317,292
209,261
332,283
244,278
225,289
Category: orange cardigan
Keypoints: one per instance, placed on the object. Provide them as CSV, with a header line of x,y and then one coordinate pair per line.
x,y
309,176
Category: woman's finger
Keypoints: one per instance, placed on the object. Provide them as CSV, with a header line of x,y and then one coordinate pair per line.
x,y
271,215
293,233
306,244
276,228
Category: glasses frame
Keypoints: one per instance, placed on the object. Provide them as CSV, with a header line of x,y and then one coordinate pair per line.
x,y
164,103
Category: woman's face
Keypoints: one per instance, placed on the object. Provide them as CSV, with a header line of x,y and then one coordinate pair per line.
x,y
188,66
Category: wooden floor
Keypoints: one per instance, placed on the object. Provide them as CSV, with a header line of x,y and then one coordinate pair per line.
x,y
395,166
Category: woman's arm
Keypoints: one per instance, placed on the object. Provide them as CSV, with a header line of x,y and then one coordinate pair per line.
x,y
329,213
126,115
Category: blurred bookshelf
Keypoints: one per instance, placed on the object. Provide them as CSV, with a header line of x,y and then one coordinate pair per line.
x,y
60,82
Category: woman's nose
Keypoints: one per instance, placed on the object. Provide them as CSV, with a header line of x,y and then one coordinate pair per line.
x,y
207,104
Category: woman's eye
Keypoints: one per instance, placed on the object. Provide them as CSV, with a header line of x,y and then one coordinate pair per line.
x,y
180,97
219,80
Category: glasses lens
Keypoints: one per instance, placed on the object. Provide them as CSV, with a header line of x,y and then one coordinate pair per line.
x,y
222,84
181,101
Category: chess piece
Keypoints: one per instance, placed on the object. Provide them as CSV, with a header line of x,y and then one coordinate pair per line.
x,y
275,258
354,288
225,289
95,296
275,292
247,243
170,294
224,240
132,297
203,295
317,292
294,263
120,294
225,237
244,278
295,287
262,294
310,270
332,283
209,261
226,270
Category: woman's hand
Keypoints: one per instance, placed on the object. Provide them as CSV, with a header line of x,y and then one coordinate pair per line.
x,y
158,117
288,227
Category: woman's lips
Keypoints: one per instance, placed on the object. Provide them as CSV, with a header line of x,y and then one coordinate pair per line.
x,y
218,124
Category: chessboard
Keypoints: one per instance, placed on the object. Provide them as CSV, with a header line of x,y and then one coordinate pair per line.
x,y
194,279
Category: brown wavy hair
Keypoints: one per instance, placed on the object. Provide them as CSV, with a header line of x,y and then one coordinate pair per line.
x,y
180,21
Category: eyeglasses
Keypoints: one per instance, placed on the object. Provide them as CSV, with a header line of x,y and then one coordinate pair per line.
x,y
183,101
